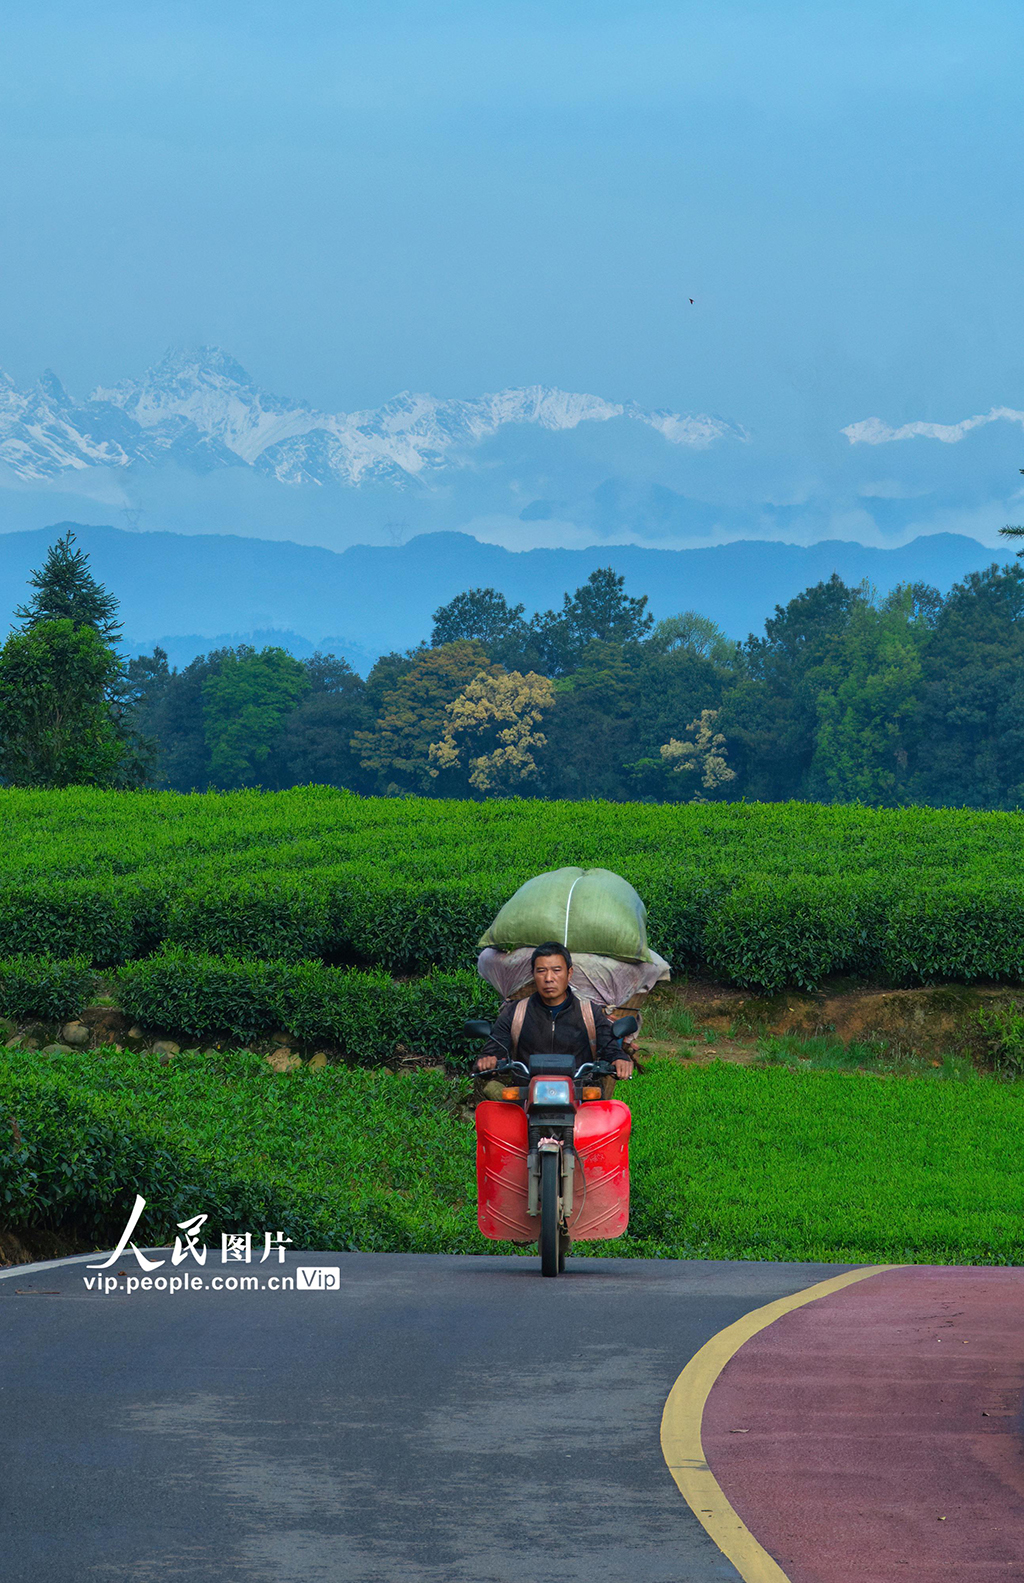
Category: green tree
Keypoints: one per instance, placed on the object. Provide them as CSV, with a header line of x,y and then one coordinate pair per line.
x,y
692,633
244,707
676,684
969,742
315,743
592,730
168,707
599,612
59,686
867,717
480,615
395,751
67,591
770,713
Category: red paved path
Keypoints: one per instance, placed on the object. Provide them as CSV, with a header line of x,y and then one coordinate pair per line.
x,y
865,1418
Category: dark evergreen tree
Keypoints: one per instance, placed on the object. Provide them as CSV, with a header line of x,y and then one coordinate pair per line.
x,y
169,708
770,717
601,611
67,591
674,686
480,614
592,731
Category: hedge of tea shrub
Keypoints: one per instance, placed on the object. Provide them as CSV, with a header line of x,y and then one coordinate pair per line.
x,y
366,1013
761,895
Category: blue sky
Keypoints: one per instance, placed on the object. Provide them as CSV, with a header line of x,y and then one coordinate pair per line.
x,y
357,199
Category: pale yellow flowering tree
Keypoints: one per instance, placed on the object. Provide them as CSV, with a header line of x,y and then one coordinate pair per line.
x,y
705,753
499,714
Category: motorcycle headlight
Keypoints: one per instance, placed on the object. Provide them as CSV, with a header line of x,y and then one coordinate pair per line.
x,y
550,1092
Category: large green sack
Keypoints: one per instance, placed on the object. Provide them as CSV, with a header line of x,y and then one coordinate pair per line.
x,y
585,909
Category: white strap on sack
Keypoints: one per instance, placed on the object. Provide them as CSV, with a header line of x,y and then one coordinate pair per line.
x,y
568,904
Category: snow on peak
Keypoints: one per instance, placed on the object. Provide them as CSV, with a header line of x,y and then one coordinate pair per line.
x,y
204,408
872,431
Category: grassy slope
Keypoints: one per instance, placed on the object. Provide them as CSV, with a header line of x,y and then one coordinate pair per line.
x,y
728,1162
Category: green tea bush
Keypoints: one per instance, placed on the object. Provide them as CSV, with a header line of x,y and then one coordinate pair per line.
x,y
41,986
334,1159
964,930
770,933
199,996
366,1013
409,929
256,918
763,894
66,919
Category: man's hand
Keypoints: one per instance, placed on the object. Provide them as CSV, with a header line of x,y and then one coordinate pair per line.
x,y
624,1068
487,1063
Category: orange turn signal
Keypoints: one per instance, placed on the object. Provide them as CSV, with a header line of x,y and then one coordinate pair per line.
x,y
510,1093
591,1093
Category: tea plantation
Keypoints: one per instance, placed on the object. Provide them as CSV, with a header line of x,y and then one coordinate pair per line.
x,y
762,895
353,923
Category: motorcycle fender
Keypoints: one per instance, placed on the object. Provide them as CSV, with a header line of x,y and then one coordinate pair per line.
x,y
501,1173
601,1140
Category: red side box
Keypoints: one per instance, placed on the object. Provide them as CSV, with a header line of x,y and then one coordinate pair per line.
x,y
601,1194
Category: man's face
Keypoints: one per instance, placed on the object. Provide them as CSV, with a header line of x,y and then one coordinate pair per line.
x,y
551,976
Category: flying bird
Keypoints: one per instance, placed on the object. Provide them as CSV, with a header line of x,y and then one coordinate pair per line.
x,y
691,305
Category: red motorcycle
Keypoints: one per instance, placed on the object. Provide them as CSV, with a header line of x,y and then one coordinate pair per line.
x,y
552,1156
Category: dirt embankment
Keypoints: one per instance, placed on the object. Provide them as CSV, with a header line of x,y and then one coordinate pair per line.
x,y
934,1021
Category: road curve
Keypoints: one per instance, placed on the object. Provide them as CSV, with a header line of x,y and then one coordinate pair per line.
x,y
435,1419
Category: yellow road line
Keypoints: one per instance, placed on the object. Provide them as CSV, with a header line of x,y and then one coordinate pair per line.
x,y
681,1426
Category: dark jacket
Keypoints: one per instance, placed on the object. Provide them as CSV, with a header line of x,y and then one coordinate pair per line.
x,y
560,1031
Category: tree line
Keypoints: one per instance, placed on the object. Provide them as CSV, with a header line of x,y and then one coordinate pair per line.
x,y
909,698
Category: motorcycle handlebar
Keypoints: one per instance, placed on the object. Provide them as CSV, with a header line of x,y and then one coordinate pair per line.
x,y
588,1069
504,1066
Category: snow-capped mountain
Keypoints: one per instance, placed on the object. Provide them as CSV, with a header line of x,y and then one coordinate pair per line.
x,y
873,431
203,410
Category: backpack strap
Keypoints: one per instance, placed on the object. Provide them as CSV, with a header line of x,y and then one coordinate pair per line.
x,y
518,1018
587,1009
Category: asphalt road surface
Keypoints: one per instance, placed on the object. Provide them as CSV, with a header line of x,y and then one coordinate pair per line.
x,y
434,1419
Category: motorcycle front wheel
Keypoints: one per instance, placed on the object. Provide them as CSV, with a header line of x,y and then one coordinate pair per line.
x,y
549,1237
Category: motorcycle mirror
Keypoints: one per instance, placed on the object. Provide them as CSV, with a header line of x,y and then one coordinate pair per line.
x,y
623,1026
477,1030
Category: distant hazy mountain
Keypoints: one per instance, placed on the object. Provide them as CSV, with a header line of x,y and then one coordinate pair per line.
x,y
202,410
196,446
194,592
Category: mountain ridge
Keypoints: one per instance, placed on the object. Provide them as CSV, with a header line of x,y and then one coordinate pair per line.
x,y
202,410
371,598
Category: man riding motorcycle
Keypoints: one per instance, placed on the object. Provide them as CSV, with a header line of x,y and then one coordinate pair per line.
x,y
554,1021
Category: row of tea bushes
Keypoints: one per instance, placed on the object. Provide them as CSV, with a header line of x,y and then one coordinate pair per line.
x,y
759,931
368,1015
44,987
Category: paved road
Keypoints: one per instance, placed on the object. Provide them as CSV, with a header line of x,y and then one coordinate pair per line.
x,y
435,1420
